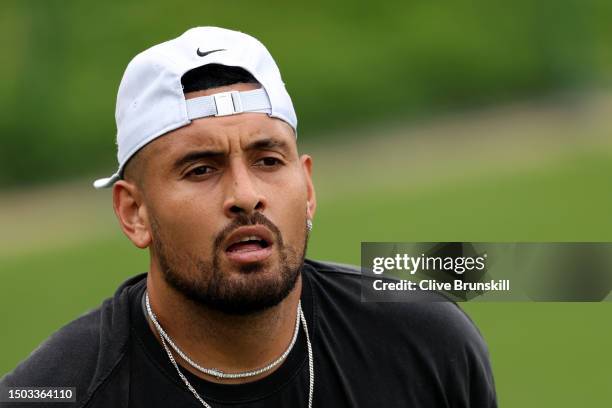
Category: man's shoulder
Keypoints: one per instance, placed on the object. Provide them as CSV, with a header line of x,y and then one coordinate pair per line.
x,y
51,363
430,331
427,316
81,353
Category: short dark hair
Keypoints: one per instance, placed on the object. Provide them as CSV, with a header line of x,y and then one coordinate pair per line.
x,y
213,76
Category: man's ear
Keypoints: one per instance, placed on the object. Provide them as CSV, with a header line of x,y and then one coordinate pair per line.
x,y
131,212
311,203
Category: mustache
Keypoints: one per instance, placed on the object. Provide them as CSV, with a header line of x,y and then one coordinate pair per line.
x,y
243,220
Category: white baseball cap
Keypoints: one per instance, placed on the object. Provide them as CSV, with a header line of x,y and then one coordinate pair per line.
x,y
151,103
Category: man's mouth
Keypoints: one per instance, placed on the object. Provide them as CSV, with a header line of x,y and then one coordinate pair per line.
x,y
249,244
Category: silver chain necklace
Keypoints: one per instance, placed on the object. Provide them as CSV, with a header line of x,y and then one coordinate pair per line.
x,y
220,374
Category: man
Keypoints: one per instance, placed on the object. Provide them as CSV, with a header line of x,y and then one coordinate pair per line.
x,y
230,313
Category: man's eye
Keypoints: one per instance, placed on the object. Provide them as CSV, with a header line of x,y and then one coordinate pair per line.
x,y
268,162
200,171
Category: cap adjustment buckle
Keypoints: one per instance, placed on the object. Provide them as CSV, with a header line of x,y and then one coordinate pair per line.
x,y
228,103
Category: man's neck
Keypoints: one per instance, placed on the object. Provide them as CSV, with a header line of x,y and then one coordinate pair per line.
x,y
225,342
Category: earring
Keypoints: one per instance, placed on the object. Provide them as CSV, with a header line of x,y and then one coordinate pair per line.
x,y
309,225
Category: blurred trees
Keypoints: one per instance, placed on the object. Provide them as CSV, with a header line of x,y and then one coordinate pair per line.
x,y
344,61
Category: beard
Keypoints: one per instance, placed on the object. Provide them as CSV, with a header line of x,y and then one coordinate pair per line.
x,y
203,280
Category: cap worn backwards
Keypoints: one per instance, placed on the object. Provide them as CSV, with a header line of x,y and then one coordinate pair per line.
x,y
151,102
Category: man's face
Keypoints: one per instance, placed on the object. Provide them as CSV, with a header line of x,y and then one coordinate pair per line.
x,y
226,200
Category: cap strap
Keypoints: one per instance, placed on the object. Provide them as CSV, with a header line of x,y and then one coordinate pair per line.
x,y
229,103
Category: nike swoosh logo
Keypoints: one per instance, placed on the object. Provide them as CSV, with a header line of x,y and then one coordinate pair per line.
x,y
203,54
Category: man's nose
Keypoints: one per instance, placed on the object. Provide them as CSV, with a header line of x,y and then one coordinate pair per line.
x,y
243,194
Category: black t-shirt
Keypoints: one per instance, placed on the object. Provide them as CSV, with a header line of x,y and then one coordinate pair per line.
x,y
365,355
413,354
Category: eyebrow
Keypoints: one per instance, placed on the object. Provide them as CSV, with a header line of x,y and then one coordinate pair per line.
x,y
267,144
194,156
261,144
